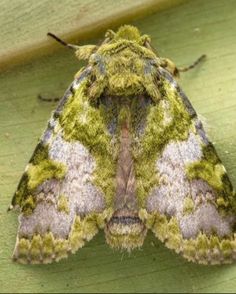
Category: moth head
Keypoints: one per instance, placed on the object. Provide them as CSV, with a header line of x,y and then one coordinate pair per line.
x,y
125,33
129,33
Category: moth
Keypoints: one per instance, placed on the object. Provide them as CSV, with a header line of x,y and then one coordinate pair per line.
x,y
124,151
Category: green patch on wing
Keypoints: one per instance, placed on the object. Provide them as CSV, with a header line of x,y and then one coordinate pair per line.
x,y
40,169
211,170
46,169
63,204
188,207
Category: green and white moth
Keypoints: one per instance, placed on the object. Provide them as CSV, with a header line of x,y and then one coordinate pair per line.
x,y
124,151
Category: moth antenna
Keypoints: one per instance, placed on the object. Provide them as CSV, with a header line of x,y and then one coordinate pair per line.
x,y
71,46
200,59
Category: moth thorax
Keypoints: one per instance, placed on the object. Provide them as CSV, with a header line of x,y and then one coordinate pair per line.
x,y
125,74
125,230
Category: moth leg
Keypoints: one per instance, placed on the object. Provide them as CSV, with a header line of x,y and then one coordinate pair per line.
x,y
174,70
195,63
53,99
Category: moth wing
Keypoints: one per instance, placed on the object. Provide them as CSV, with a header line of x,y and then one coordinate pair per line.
x,y
60,205
192,208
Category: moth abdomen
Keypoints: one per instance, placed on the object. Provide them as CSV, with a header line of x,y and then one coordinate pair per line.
x,y
125,230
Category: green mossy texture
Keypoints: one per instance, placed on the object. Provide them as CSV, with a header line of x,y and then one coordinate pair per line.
x,y
63,204
202,249
45,170
182,34
39,169
211,170
47,248
123,60
188,206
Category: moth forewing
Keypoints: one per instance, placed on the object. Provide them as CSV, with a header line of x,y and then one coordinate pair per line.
x,y
125,151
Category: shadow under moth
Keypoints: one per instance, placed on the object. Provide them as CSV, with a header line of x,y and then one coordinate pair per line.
x,y
124,151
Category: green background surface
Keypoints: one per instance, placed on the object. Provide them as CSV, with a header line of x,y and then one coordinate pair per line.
x,y
181,33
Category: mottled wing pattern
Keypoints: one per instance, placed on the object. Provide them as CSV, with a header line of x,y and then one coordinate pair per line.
x,y
192,209
60,205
